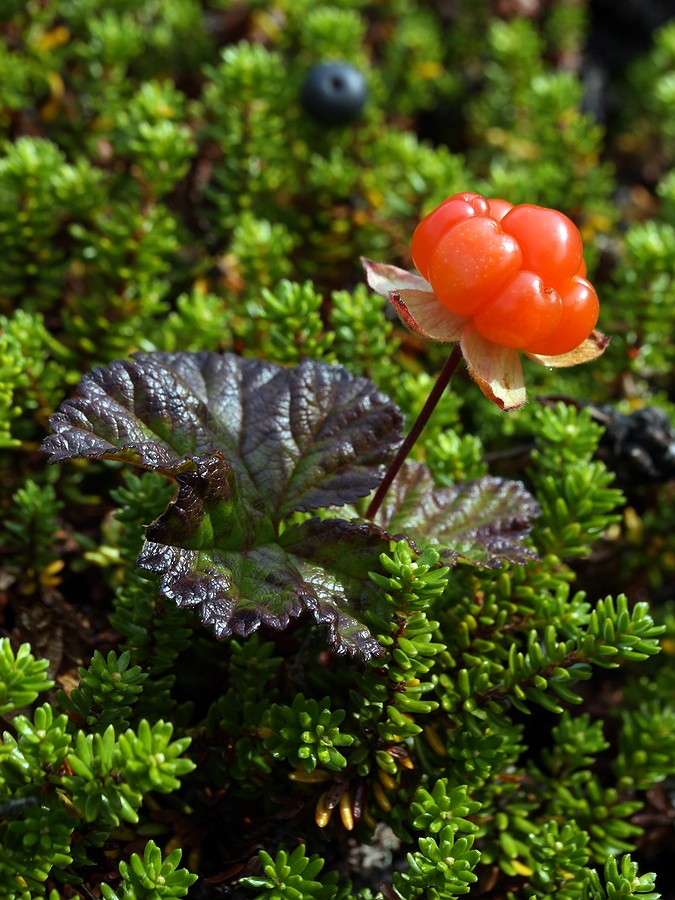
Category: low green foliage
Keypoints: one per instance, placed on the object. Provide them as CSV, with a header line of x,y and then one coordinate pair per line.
x,y
22,677
290,876
150,876
105,692
620,882
62,790
307,734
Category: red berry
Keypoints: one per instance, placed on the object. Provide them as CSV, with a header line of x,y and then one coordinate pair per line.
x,y
427,234
550,242
517,270
580,310
471,262
523,311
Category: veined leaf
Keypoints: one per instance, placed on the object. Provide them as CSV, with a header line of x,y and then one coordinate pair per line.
x,y
247,442
483,521
320,567
295,439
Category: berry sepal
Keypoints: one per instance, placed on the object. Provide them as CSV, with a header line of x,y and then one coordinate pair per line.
x,y
590,349
495,369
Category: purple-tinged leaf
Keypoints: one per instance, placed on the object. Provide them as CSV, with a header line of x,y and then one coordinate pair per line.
x,y
295,439
320,567
482,522
207,511
247,442
336,557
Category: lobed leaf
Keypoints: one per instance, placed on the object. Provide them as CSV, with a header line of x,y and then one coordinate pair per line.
x,y
481,522
296,439
247,442
320,566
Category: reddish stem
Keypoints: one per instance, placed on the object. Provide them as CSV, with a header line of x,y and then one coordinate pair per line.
x,y
442,382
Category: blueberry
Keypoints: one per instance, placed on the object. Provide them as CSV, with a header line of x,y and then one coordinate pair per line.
x,y
334,93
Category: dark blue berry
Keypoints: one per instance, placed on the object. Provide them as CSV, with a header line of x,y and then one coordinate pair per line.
x,y
334,93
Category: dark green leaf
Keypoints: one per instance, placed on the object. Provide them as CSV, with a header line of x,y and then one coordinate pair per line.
x,y
207,511
247,442
320,566
295,439
483,521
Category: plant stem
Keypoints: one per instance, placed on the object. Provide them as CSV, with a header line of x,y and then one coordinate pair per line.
x,y
442,382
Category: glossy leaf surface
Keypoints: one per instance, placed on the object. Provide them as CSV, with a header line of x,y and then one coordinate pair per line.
x,y
295,439
247,443
482,522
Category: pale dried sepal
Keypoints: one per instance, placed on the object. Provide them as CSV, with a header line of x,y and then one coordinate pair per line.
x,y
384,278
495,369
593,347
423,313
